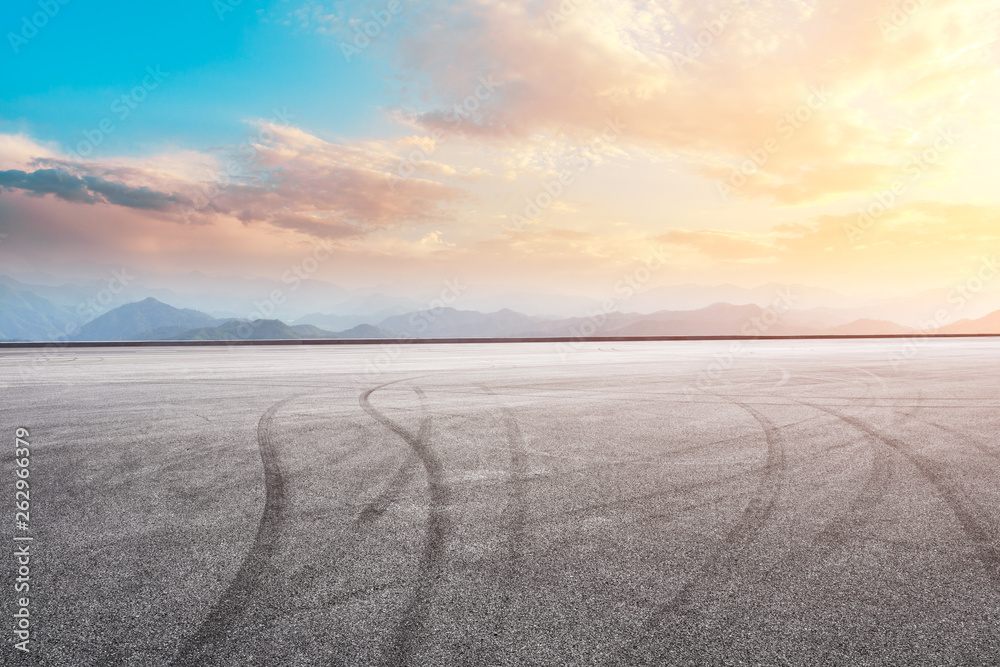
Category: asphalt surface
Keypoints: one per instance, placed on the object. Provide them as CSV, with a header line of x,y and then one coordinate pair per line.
x,y
681,503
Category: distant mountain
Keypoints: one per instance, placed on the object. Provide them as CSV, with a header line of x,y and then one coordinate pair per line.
x,y
696,297
65,296
336,322
26,315
256,330
989,324
452,323
598,324
867,327
366,331
376,306
134,321
538,303
720,319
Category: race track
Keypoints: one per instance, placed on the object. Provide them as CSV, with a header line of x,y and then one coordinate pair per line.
x,y
654,503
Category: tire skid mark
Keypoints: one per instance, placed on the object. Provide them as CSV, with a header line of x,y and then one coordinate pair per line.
x,y
936,475
761,506
652,397
677,491
515,513
412,623
203,646
724,560
332,599
389,496
380,504
857,513
967,439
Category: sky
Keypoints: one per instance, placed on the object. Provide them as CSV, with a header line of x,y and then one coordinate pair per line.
x,y
551,145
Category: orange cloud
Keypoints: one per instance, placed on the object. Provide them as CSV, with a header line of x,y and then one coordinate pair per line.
x,y
711,81
287,178
721,245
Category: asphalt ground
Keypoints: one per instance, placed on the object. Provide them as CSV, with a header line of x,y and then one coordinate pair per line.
x,y
656,503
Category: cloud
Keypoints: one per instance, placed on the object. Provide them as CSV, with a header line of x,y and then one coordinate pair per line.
x,y
85,189
708,81
286,177
812,185
17,151
131,197
722,245
294,173
914,244
48,181
316,227
257,206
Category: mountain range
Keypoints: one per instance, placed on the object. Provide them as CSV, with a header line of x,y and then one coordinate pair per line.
x,y
41,308
26,314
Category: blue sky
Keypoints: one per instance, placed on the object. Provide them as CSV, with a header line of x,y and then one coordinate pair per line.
x,y
222,72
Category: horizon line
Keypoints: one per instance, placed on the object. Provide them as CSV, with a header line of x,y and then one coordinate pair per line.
x,y
465,340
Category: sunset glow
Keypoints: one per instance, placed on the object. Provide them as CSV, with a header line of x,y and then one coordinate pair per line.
x,y
843,145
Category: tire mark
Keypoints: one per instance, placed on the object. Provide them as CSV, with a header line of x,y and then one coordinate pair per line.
x,y
967,439
724,560
412,624
389,496
935,473
857,513
515,513
203,646
859,510
380,504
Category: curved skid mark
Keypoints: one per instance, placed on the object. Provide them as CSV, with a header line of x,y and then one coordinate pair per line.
x,y
859,510
412,624
967,439
725,559
857,513
515,514
381,503
861,507
935,474
375,508
203,646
